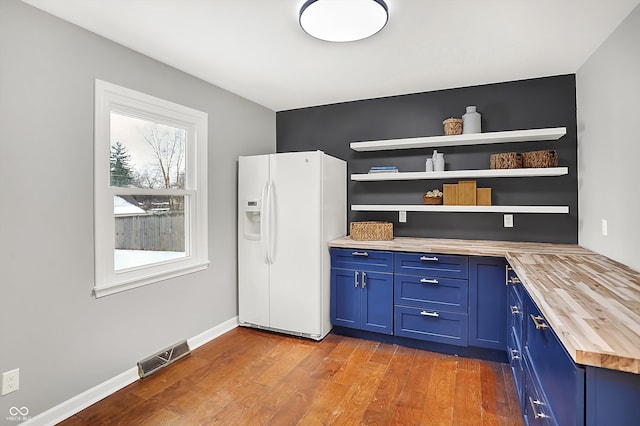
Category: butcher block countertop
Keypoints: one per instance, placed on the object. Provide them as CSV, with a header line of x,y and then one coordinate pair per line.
x,y
590,301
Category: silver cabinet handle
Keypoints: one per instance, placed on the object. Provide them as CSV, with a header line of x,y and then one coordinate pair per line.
x,y
429,259
360,253
429,281
356,280
515,310
506,274
514,354
429,314
364,279
538,321
514,280
534,404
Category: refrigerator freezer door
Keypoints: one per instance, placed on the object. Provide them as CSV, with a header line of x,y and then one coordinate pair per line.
x,y
296,224
253,270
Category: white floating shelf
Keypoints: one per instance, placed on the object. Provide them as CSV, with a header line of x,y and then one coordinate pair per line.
x,y
457,174
549,134
458,209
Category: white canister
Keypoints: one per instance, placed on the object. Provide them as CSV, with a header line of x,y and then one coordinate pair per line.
x,y
471,121
428,165
439,166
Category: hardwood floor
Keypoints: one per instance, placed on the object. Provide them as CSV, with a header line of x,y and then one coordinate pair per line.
x,y
249,377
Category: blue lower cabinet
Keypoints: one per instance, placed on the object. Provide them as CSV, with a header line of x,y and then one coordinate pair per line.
x,y
362,300
487,301
431,325
612,397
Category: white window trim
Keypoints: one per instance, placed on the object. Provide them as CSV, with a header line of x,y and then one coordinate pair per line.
x,y
110,97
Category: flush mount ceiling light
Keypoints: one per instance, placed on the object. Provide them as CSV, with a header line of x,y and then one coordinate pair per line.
x,y
343,20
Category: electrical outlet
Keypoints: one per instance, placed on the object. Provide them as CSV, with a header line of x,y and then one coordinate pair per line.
x,y
10,381
605,227
508,221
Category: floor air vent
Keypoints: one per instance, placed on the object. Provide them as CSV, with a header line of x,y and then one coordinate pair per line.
x,y
163,358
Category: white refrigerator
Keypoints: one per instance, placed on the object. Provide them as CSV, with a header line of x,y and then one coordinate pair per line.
x,y
289,206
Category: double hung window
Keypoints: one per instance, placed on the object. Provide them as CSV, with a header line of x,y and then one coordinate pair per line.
x,y
150,188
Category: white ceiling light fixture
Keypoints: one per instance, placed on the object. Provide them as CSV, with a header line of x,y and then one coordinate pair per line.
x,y
343,20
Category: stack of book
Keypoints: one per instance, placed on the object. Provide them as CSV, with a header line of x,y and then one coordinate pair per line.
x,y
383,169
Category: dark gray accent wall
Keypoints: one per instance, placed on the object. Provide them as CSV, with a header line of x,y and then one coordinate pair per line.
x,y
527,104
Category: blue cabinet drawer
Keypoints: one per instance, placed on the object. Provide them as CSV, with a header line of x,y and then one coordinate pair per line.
x,y
513,281
561,379
367,260
514,354
447,294
535,410
515,313
431,325
433,265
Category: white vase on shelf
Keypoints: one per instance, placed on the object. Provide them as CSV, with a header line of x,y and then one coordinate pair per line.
x,y
439,166
428,165
471,121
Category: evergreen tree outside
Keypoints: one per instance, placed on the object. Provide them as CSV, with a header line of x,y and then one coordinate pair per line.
x,y
121,173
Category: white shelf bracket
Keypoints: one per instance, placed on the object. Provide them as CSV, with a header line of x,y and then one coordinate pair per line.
x,y
402,216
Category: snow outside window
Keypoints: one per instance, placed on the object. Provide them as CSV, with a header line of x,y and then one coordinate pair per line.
x,y
150,189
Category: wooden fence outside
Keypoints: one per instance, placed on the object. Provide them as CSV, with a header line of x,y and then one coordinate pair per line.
x,y
159,232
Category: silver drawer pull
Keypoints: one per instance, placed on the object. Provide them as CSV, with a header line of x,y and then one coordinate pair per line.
x,y
360,253
429,259
515,310
514,354
429,281
538,321
514,280
429,314
534,404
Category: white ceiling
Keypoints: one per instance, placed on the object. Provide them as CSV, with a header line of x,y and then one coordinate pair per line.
x,y
256,49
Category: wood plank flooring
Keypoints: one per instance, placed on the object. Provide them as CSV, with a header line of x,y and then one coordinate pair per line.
x,y
250,377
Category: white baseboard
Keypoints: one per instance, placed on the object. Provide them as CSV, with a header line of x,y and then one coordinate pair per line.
x,y
79,402
210,334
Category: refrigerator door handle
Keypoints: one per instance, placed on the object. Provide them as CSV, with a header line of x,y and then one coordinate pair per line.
x,y
264,237
273,218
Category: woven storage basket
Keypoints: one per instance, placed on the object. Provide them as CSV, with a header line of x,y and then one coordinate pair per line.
x,y
452,126
539,159
371,231
431,200
506,160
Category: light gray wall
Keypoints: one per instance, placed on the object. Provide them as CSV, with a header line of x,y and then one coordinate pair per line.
x,y
608,95
63,340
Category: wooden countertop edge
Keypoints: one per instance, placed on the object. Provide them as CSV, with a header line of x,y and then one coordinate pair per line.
x,y
510,251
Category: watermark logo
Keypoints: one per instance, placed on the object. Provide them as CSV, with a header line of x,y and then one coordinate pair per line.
x,y
18,414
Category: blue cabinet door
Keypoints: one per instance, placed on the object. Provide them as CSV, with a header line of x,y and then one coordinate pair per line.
x,y
612,397
376,303
487,301
345,298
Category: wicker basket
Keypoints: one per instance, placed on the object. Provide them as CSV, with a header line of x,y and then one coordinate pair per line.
x,y
506,160
371,231
452,126
431,200
539,159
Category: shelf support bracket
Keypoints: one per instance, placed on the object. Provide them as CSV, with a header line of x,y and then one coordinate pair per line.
x,y
402,216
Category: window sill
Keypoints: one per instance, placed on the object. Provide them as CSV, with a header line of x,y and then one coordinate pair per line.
x,y
121,286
